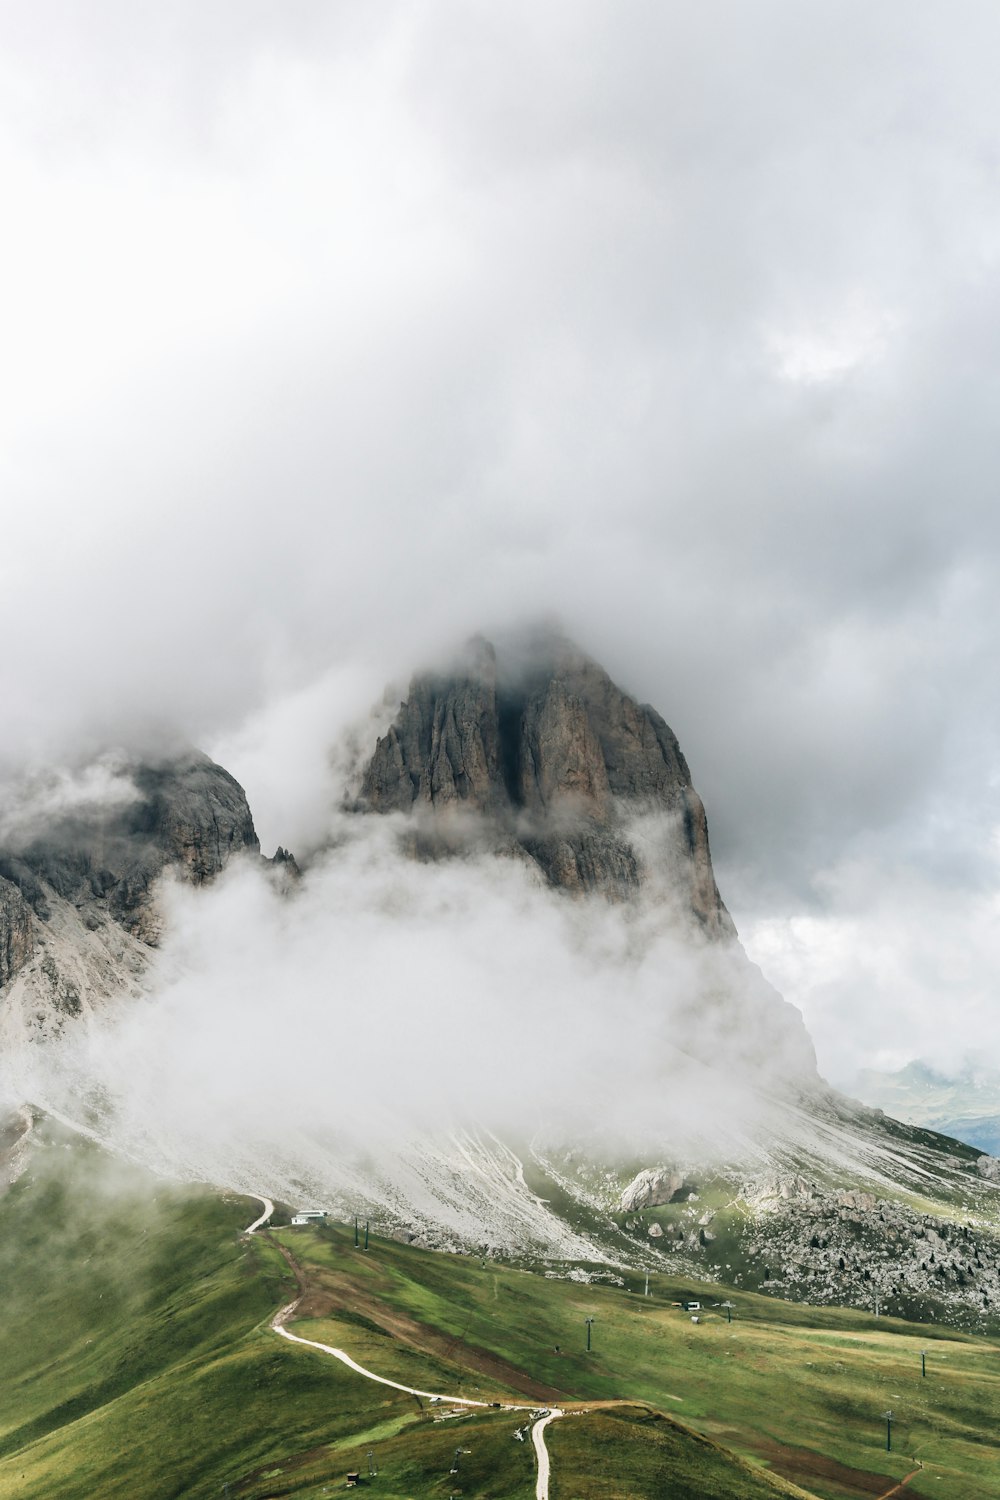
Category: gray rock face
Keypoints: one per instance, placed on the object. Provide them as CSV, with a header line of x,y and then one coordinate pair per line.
x,y
194,815
188,814
558,759
16,938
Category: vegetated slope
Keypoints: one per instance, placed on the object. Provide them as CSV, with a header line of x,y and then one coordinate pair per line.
x,y
798,1388
139,1360
633,1450
134,1356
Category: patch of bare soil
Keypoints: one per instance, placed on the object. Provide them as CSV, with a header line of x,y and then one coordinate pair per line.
x,y
803,1467
898,1489
324,1292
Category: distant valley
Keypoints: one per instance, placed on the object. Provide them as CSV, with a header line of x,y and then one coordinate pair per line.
x,y
966,1106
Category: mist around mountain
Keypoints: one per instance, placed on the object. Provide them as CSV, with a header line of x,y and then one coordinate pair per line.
x,y
965,1105
533,908
500,994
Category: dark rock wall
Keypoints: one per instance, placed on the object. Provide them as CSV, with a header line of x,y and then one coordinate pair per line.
x,y
195,815
554,753
190,814
16,936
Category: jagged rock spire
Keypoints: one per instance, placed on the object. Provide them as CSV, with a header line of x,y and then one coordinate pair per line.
x,y
543,744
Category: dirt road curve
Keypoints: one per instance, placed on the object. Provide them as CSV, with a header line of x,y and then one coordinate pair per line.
x,y
278,1324
537,1431
542,1453
265,1216
897,1489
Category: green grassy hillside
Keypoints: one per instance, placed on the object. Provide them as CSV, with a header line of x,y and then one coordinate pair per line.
x,y
138,1362
798,1389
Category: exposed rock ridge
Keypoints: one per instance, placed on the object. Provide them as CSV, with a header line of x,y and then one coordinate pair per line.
x,y
560,759
16,936
72,883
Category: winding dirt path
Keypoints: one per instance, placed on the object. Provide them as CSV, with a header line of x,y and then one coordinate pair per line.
x,y
538,1429
542,1453
278,1326
283,1314
897,1489
268,1207
550,1414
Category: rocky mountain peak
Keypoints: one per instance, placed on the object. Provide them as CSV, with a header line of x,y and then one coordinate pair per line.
x,y
77,886
186,812
542,743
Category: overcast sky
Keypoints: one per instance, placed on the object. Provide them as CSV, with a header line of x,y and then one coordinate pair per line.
x,y
332,332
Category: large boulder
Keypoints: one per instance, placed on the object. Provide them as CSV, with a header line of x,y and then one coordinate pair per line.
x,y
651,1188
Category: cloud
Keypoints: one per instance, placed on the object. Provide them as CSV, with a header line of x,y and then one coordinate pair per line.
x,y
332,337
32,805
382,1003
894,966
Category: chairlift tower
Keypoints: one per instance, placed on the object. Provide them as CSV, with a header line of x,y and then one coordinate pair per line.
x,y
589,1322
887,1415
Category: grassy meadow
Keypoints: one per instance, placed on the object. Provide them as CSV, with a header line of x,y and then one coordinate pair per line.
x,y
139,1364
795,1389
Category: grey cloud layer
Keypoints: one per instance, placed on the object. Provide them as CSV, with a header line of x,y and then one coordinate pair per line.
x,y
333,335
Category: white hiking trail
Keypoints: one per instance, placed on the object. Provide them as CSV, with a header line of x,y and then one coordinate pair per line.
x,y
537,1431
542,1453
265,1216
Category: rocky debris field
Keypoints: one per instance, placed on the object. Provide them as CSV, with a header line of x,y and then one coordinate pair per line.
x,y
851,1247
786,1235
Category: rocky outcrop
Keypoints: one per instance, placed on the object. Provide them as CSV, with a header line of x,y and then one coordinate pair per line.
x,y
856,1248
16,935
556,759
187,813
194,815
77,889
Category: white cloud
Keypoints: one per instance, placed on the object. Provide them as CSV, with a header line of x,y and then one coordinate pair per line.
x,y
331,335
384,1001
894,967
833,346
